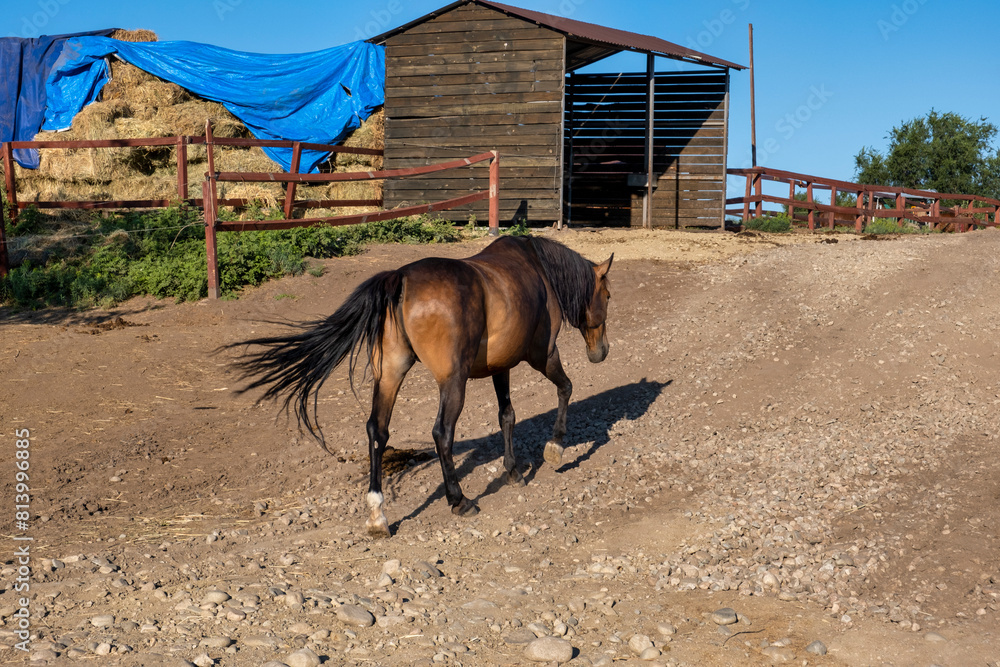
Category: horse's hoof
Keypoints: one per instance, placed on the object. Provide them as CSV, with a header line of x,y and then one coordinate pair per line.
x,y
553,453
515,478
465,508
378,529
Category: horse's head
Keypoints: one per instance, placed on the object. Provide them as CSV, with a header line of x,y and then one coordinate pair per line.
x,y
594,329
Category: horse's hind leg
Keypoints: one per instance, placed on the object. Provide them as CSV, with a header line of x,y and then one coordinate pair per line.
x,y
553,370
395,363
452,401
501,383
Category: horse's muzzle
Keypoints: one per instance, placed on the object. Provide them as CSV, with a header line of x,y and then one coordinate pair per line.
x,y
599,353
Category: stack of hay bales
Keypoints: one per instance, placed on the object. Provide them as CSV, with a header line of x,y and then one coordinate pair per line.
x,y
135,104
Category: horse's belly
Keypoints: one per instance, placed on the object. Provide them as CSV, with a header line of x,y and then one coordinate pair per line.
x,y
498,353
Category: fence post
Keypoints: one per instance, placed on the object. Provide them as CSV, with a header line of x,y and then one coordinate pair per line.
x,y
209,149
812,213
758,191
211,250
11,191
833,202
791,200
495,194
746,198
900,204
182,169
290,189
860,218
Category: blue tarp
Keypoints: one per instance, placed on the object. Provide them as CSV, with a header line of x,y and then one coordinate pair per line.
x,y
24,67
317,97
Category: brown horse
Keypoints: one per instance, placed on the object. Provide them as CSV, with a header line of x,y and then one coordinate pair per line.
x,y
467,318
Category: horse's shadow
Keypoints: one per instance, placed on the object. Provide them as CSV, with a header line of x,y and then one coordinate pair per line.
x,y
589,422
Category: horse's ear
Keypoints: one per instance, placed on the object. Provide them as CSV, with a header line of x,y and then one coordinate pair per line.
x,y
602,269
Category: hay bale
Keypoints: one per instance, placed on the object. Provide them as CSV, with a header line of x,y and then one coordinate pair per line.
x,y
140,35
188,118
135,104
371,134
155,94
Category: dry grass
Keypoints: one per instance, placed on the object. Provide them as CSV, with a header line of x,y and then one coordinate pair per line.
x,y
135,104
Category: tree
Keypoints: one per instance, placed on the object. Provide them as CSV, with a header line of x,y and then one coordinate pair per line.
x,y
942,151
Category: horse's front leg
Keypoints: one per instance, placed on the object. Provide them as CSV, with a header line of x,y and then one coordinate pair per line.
x,y
383,400
501,383
553,370
450,407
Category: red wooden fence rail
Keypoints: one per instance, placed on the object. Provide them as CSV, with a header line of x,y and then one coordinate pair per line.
x,y
962,218
210,193
9,216
211,201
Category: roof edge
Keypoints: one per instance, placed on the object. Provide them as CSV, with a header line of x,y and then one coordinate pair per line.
x,y
622,40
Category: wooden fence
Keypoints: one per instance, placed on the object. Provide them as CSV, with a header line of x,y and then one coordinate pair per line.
x,y
872,201
210,202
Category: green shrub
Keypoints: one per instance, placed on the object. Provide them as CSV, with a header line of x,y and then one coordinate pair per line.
x,y
880,226
162,254
777,224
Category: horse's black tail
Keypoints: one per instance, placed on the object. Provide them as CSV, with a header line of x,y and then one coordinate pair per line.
x,y
296,366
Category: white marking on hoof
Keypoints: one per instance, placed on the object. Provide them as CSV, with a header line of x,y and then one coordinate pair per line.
x,y
377,524
378,527
553,453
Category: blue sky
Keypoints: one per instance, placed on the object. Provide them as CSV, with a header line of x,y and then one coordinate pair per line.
x,y
831,76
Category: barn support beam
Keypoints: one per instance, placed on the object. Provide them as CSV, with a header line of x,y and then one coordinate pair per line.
x,y
647,201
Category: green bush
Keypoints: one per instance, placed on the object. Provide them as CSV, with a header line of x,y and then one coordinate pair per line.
x,y
162,254
881,226
779,223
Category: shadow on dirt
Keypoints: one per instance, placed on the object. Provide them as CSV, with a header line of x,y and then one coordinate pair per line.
x,y
69,318
589,422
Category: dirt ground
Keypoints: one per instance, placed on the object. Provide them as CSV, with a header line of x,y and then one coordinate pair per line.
x,y
799,428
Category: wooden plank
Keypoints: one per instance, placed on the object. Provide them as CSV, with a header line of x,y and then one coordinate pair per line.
x,y
469,107
510,145
510,184
545,101
509,161
428,91
551,131
475,34
405,70
525,51
502,76
458,121
525,60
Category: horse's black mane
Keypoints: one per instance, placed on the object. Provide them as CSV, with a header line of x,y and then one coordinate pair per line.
x,y
571,276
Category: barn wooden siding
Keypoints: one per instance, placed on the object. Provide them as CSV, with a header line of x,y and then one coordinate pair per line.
x,y
605,142
474,80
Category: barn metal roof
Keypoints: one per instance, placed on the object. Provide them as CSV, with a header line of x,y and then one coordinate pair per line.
x,y
589,42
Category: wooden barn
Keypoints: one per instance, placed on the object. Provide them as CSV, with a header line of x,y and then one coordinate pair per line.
x,y
574,147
